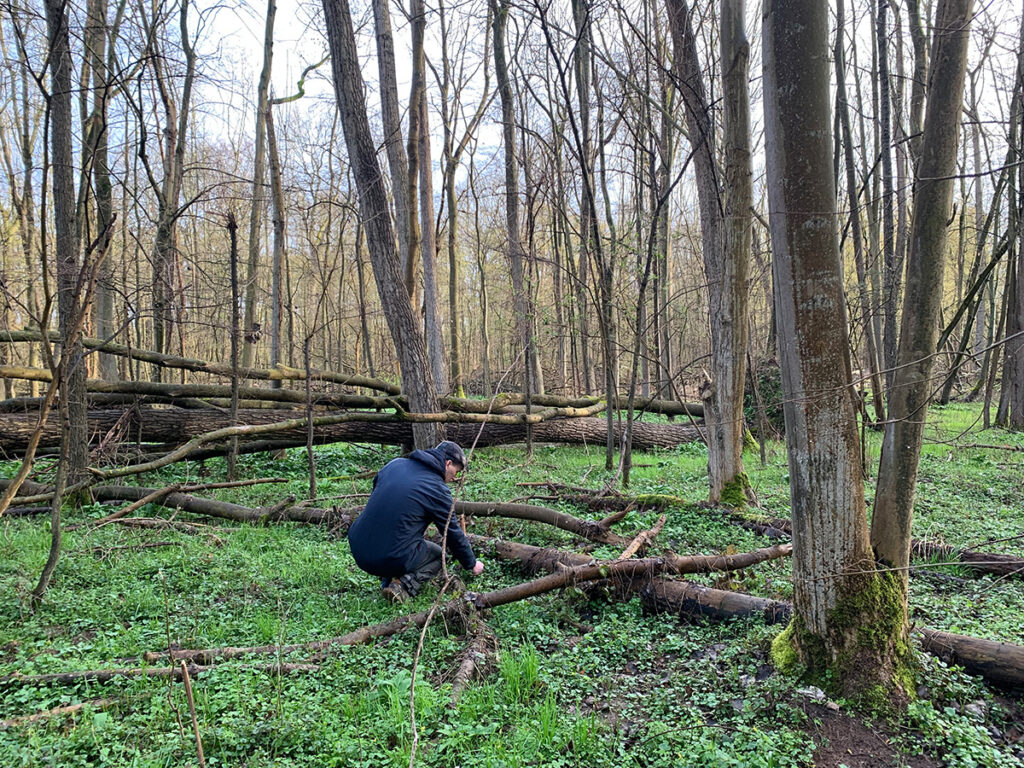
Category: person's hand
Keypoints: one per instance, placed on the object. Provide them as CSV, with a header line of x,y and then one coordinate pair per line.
x,y
478,568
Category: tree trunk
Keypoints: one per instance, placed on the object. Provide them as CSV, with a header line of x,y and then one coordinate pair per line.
x,y
405,332
1013,362
428,232
96,147
165,246
390,116
278,259
725,237
912,384
837,593
891,264
66,243
259,197
864,294
499,15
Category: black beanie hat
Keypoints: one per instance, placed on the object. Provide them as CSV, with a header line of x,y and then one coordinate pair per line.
x,y
452,452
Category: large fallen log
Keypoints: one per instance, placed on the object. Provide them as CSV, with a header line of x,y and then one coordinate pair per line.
x,y
212,394
659,594
1002,663
998,662
177,426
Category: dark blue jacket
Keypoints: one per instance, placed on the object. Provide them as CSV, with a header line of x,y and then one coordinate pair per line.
x,y
408,495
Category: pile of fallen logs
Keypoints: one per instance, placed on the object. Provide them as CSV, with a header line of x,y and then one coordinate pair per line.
x,y
160,415
654,578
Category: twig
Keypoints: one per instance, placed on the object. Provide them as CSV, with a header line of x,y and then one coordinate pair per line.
x,y
125,511
146,545
57,712
642,539
192,711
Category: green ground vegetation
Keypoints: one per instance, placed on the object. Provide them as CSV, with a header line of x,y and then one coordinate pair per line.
x,y
577,680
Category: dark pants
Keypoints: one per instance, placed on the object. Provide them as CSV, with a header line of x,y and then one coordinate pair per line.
x,y
426,567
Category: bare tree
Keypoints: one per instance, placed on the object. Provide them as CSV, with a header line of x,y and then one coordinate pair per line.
x,y
837,592
405,333
725,236
259,197
911,381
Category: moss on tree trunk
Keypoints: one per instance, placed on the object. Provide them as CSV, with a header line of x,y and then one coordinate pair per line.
x,y
867,657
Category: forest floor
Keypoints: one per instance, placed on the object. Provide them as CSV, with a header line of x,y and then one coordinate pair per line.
x,y
576,681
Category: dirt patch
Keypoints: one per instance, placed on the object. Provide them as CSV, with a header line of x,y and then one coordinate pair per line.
x,y
845,740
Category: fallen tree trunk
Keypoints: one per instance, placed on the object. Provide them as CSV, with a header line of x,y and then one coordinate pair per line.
x,y
774,527
175,672
278,373
588,570
197,505
98,704
211,395
659,594
1002,663
998,662
338,519
177,426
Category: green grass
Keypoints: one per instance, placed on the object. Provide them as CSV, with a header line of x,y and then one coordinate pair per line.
x,y
635,690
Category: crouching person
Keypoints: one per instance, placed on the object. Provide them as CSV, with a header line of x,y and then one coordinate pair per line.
x,y
408,495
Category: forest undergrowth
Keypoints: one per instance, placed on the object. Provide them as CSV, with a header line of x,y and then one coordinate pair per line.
x,y
577,680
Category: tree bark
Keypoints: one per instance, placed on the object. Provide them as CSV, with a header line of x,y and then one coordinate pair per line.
x,y
397,160
725,235
836,589
67,245
95,145
911,382
175,426
405,332
258,201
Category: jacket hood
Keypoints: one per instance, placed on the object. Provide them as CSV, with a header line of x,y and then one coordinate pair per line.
x,y
430,457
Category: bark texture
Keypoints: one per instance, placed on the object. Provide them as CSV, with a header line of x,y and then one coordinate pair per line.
x,y
836,594
373,204
911,381
152,425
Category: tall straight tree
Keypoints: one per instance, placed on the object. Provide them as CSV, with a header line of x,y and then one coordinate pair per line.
x,y
452,83
725,235
96,154
420,155
66,243
922,302
397,160
417,382
499,19
1012,404
166,257
259,196
847,625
